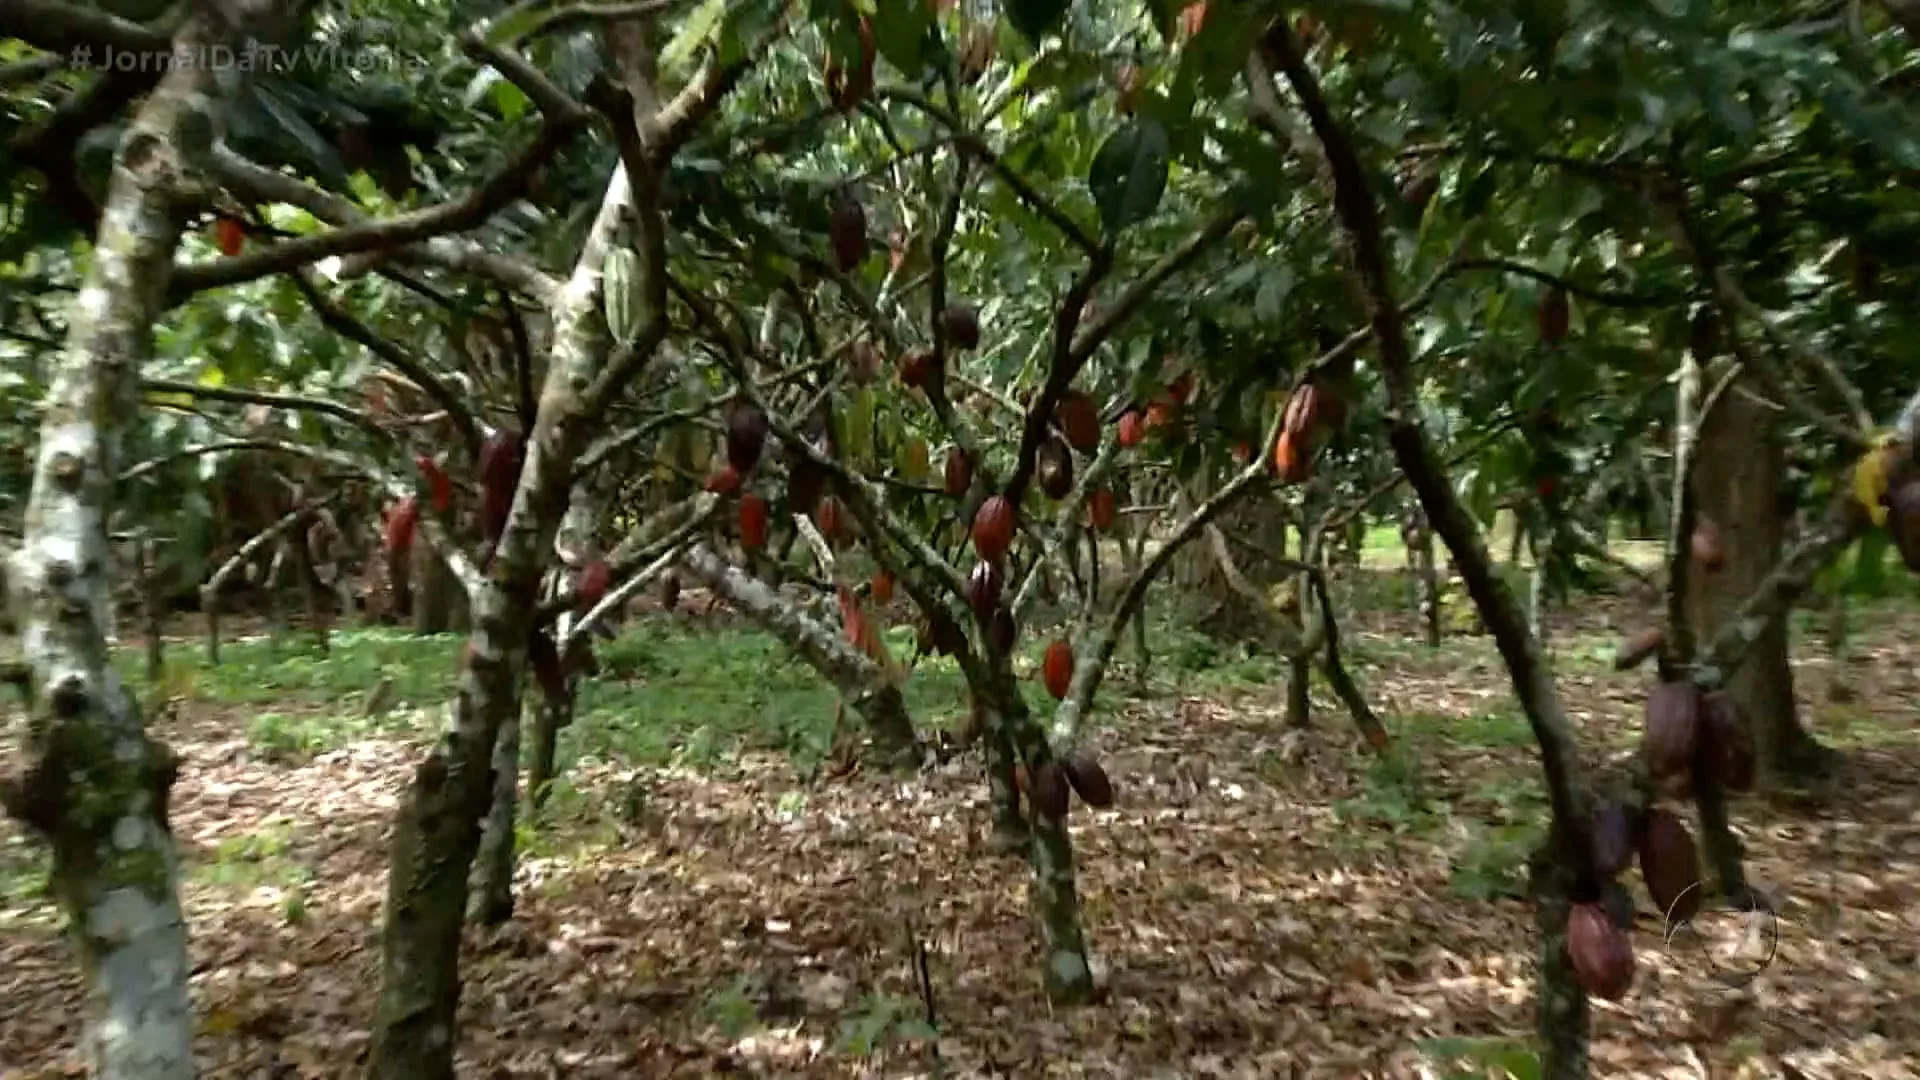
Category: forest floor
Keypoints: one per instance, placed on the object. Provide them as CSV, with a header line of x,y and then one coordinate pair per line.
x,y
1261,903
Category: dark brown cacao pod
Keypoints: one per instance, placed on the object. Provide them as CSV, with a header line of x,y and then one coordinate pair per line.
x,y
1088,779
958,473
1049,790
962,325
1054,469
1670,867
1726,743
1615,829
746,435
849,233
983,588
1602,953
1672,734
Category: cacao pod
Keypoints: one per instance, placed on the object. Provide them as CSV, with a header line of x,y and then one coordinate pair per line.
x,y
231,235
1903,521
1302,413
1048,792
1088,779
1556,316
983,589
401,522
1670,867
1003,631
962,325
959,472
502,455
439,484
993,528
917,369
1101,511
1726,741
848,229
746,436
1179,388
1672,734
620,293
669,590
1133,429
1290,460
827,517
1159,415
881,587
1056,668
1708,551
1601,953
1242,452
724,481
1127,81
590,585
753,522
1079,421
1193,18
1054,469
1615,828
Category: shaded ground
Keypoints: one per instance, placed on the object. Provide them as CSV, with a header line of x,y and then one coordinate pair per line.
x,y
1262,905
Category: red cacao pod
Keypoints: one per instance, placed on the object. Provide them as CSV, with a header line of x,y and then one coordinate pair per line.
x,y
1056,668
993,528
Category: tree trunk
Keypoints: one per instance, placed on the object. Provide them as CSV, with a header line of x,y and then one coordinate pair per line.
x,y
437,829
492,900
1736,478
552,716
92,782
860,681
1426,576
440,605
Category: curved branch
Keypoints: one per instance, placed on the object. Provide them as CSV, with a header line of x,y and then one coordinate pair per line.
x,y
261,397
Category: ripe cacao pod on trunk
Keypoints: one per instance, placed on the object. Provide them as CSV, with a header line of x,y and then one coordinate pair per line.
x,y
401,522
590,586
1602,953
1615,838
1003,631
1079,421
983,588
724,480
1672,735
746,436
1726,741
993,528
1047,791
958,473
1088,779
1290,459
917,369
1133,429
502,455
1101,511
1303,413
962,325
848,229
1054,469
753,522
1056,668
1670,867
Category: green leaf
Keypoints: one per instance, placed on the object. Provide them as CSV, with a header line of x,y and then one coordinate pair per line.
x,y
900,33
1034,18
1129,174
700,26
516,22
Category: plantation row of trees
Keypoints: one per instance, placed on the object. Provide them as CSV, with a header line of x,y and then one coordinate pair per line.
x,y
844,312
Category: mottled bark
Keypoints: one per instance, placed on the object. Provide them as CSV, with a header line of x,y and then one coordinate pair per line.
x,y
552,716
1736,483
1561,1010
440,605
492,898
153,605
1421,565
862,684
438,829
91,782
